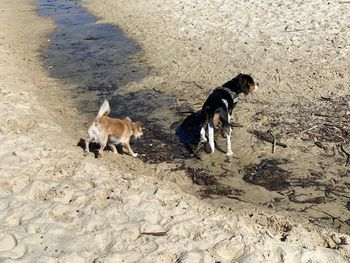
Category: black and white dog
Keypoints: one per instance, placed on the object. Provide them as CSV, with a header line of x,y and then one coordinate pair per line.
x,y
219,106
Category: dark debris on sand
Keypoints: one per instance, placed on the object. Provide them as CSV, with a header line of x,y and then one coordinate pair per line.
x,y
268,175
157,146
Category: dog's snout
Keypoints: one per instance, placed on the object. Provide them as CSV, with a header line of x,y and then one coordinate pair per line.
x,y
257,84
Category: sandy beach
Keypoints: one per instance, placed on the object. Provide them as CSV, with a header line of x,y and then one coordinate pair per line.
x,y
299,53
59,205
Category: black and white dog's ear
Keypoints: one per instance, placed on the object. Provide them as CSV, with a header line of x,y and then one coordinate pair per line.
x,y
244,86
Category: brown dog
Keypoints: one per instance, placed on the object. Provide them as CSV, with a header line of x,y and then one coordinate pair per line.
x,y
105,130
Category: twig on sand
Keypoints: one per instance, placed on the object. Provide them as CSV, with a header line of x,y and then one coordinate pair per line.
x,y
346,153
156,234
266,137
313,127
320,145
295,30
322,115
269,132
328,214
69,76
193,82
199,147
235,125
186,112
327,98
157,91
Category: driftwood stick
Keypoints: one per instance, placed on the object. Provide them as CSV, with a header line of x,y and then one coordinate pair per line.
x,y
157,91
322,115
326,98
156,234
269,132
265,137
235,125
320,136
331,216
313,127
193,82
320,145
341,137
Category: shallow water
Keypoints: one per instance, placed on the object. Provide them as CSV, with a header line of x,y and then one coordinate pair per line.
x,y
100,61
95,56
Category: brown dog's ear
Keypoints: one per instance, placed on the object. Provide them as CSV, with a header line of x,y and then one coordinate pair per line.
x,y
137,125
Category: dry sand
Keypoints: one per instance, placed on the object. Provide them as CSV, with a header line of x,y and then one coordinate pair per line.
x,y
57,205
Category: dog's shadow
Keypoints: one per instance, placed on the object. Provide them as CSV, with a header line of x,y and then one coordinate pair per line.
x,y
94,147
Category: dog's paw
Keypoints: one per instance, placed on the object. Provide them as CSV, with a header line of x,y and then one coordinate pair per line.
x,y
203,140
208,149
230,153
134,155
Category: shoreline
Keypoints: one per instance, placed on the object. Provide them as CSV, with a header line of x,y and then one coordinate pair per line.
x,y
58,205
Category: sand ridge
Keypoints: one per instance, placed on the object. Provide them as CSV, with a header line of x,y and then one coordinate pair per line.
x,y
58,205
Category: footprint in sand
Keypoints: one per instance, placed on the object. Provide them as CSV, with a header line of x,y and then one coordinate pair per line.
x,y
9,247
7,242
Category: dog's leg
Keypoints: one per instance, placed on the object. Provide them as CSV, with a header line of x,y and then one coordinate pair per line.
x,y
211,136
103,143
87,142
203,137
102,147
112,146
127,145
228,142
93,135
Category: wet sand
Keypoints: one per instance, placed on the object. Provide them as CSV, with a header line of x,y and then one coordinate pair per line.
x,y
58,205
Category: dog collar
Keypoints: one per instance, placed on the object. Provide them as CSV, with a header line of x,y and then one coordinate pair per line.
x,y
233,94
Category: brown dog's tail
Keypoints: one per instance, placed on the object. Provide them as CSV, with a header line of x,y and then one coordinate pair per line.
x,y
104,110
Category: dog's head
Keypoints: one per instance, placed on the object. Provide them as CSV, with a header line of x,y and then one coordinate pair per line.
x,y
242,83
247,84
137,129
